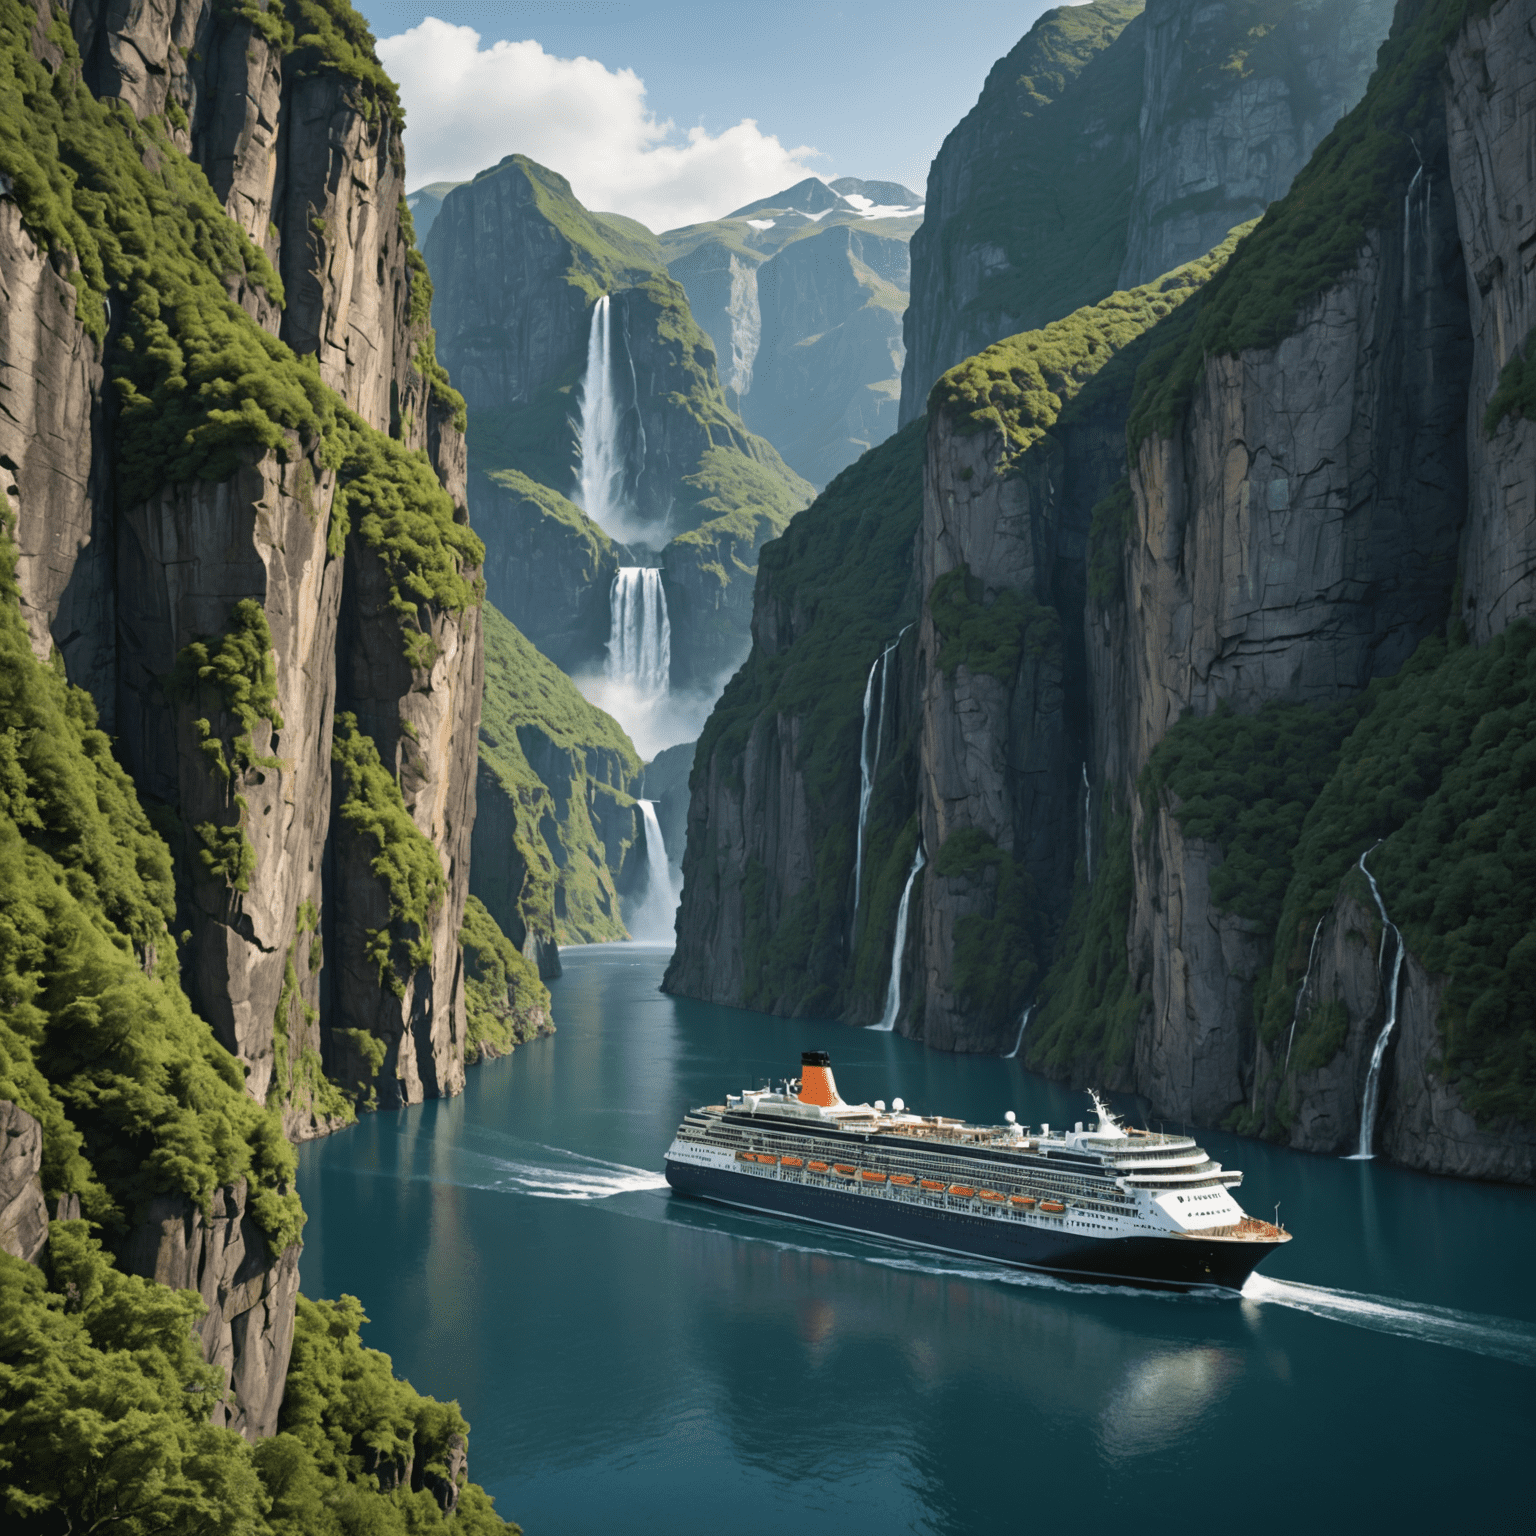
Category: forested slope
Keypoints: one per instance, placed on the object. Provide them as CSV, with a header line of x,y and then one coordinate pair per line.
x,y
241,659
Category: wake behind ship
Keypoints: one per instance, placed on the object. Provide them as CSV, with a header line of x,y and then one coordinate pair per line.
x,y
1108,1204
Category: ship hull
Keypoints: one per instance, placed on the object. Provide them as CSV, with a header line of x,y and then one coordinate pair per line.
x,y
1163,1263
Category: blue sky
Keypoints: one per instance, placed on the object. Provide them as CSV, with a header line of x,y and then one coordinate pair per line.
x,y
871,89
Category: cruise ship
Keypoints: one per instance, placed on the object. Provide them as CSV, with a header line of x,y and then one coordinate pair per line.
x,y
1111,1203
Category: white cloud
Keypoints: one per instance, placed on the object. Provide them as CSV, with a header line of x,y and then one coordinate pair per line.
x,y
467,106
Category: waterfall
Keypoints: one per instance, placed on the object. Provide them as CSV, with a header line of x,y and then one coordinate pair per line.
x,y
1301,992
656,916
1023,1025
1373,1074
1087,827
602,456
869,759
866,782
893,989
639,633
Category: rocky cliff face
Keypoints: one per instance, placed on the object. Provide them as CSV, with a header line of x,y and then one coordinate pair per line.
x,y
829,348
1234,101
219,584
1488,131
1112,146
1197,695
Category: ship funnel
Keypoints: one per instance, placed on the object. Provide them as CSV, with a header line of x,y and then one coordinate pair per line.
x,y
817,1085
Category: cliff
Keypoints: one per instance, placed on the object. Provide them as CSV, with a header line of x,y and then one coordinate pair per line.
x,y
1199,630
767,907
235,522
518,265
1115,143
557,822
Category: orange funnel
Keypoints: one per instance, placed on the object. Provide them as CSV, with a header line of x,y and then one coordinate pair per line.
x,y
817,1085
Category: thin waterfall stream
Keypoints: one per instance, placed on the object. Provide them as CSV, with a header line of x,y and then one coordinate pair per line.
x,y
1301,992
1373,1074
869,760
893,987
1023,1025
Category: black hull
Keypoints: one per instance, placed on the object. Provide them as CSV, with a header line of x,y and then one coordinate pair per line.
x,y
1165,1263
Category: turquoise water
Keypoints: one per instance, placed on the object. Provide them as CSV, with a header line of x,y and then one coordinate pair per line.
x,y
631,1362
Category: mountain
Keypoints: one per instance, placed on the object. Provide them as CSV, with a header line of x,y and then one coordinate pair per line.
x,y
1209,720
426,203
802,293
519,266
1114,143
242,660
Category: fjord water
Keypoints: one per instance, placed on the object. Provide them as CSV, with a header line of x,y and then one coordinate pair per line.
x,y
631,1362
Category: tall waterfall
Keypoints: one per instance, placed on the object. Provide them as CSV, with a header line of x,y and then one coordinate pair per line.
x,y
893,988
639,632
1373,1073
866,783
1023,1025
656,916
602,455
869,759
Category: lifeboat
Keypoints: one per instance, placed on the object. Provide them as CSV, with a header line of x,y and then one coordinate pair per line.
x,y
933,1183
963,1190
1055,1207
767,1157
844,1170
746,1157
871,1177
792,1162
902,1179
1027,1201
816,1167
992,1195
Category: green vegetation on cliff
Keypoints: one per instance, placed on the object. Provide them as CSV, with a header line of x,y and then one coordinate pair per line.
x,y
1246,784
995,960
505,1001
988,637
565,818
1019,387
837,589
1515,394
1442,770
97,1040
1088,1006
605,253
107,1399
1065,102
405,862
